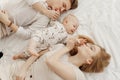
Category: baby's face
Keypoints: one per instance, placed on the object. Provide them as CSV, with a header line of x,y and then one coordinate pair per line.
x,y
70,23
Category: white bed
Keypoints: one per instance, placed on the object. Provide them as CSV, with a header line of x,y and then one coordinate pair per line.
x,y
99,18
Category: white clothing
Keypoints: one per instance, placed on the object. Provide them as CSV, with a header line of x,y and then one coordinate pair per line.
x,y
23,15
45,73
50,36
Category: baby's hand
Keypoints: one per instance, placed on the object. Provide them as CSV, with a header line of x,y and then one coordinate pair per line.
x,y
82,41
54,15
71,43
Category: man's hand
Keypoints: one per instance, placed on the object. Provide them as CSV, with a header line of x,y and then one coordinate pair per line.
x,y
54,15
21,75
4,18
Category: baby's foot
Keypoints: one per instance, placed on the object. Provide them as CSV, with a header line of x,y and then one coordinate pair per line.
x,y
20,56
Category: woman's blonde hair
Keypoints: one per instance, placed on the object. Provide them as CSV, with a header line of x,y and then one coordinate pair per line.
x,y
100,61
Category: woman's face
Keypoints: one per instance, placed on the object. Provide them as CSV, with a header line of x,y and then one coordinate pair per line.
x,y
88,50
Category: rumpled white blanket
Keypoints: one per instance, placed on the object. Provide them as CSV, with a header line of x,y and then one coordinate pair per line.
x,y
99,19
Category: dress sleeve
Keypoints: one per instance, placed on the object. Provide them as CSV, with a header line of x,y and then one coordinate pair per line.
x,y
23,33
79,74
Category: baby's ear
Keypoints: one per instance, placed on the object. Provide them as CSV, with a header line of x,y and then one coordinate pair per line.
x,y
1,54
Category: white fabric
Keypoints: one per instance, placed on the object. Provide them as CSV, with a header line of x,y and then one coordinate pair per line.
x,y
100,18
39,68
31,2
23,15
47,72
38,22
101,21
50,36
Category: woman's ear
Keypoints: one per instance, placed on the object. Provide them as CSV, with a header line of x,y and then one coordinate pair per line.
x,y
89,61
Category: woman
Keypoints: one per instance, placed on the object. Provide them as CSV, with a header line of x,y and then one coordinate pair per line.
x,y
29,14
60,65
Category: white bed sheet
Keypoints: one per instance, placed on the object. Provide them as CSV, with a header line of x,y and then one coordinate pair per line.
x,y
100,18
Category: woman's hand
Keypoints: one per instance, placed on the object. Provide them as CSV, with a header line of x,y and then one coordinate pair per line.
x,y
4,18
21,75
71,43
54,15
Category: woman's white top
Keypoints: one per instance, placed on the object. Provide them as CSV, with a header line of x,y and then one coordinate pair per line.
x,y
45,73
40,71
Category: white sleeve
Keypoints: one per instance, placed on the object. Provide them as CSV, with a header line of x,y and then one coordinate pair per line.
x,y
37,25
23,33
37,36
31,2
79,74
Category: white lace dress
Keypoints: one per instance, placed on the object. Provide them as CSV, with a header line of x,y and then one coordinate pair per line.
x,y
49,36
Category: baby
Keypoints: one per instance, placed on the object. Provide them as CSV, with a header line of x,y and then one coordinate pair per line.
x,y
51,35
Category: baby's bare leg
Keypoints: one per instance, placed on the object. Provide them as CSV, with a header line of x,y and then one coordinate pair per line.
x,y
21,55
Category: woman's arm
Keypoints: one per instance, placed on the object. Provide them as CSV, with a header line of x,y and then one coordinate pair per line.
x,y
64,71
21,75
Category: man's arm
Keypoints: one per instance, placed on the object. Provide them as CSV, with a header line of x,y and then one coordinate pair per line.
x,y
49,13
